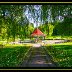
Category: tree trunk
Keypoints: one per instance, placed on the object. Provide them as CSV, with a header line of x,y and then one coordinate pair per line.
x,y
48,31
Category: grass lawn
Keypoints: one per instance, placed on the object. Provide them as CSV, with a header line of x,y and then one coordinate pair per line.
x,y
61,53
12,55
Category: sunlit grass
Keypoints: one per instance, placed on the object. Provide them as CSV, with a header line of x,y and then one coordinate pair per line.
x,y
12,56
58,37
16,45
61,53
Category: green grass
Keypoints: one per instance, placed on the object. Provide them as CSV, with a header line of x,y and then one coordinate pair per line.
x,y
12,56
58,37
61,54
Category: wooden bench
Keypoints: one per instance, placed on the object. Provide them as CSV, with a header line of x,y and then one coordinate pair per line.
x,y
68,40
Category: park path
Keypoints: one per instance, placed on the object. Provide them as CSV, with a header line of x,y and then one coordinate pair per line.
x,y
38,58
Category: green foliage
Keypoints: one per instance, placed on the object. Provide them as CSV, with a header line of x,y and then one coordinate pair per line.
x,y
64,28
44,11
14,23
47,29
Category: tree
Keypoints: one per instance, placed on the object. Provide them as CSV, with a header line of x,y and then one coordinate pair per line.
x,y
64,28
16,19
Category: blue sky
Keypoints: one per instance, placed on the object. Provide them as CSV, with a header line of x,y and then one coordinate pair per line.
x,y
38,13
31,20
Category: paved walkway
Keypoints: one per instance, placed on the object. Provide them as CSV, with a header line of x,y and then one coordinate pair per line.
x,y
43,42
38,58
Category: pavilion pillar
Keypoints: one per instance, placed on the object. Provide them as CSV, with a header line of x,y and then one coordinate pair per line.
x,y
44,37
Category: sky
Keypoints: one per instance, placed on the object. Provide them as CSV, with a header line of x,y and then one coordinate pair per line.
x,y
38,12
31,20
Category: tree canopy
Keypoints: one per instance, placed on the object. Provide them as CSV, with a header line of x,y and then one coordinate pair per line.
x,y
18,21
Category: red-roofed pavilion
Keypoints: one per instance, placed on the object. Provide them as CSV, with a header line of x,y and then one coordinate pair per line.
x,y
37,32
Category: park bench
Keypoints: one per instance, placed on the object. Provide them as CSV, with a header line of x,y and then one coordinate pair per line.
x,y
69,40
57,42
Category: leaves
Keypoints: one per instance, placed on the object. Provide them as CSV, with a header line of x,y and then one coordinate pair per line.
x,y
14,18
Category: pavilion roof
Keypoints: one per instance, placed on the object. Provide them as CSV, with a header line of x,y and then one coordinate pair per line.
x,y
37,32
